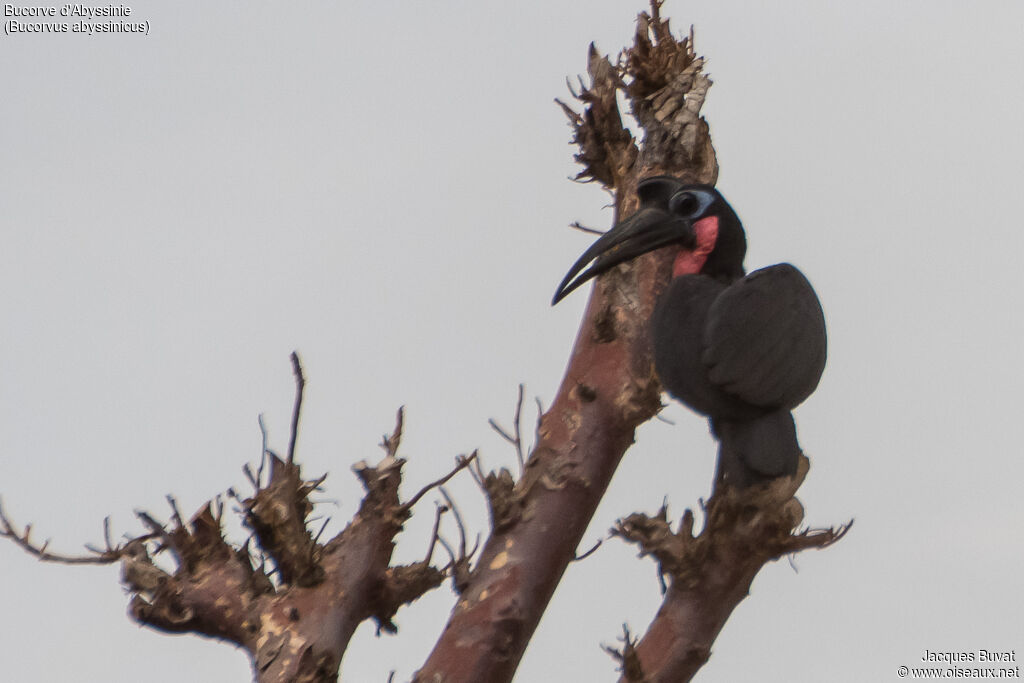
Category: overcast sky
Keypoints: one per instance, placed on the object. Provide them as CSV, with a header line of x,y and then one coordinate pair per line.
x,y
385,189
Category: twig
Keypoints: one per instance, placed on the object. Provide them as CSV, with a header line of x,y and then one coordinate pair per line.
x,y
578,226
232,493
448,549
627,657
461,463
390,443
441,509
517,440
300,385
316,538
24,541
458,521
518,427
818,539
159,531
501,431
247,471
314,484
263,451
175,513
580,558
476,471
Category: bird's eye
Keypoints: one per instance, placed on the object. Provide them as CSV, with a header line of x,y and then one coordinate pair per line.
x,y
684,203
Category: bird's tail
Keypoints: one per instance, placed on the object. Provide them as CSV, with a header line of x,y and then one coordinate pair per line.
x,y
758,450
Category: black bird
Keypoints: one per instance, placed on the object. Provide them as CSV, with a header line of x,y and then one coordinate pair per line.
x,y
742,349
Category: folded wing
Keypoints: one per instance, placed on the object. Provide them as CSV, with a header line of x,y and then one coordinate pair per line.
x,y
764,338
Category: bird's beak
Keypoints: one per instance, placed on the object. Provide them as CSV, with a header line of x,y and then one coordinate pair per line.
x,y
642,232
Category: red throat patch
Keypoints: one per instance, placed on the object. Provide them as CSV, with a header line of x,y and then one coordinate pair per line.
x,y
690,261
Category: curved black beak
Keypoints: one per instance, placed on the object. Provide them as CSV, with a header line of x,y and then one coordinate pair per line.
x,y
642,232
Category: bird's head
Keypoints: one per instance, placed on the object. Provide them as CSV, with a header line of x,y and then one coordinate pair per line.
x,y
695,219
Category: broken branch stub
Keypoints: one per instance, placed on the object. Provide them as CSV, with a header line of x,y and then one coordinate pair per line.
x,y
666,87
607,150
277,515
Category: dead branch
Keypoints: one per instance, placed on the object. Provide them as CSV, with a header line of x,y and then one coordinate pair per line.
x,y
263,453
209,591
711,572
629,663
517,439
608,390
576,225
297,627
593,549
300,386
277,515
41,552
461,463
391,442
461,566
435,534
666,87
458,520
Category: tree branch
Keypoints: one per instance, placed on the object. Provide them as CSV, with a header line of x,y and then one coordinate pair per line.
x,y
41,552
461,463
609,389
297,627
711,572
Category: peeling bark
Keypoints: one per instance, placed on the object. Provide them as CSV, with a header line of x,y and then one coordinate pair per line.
x,y
609,386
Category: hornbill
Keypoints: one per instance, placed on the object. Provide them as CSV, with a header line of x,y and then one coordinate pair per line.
x,y
742,349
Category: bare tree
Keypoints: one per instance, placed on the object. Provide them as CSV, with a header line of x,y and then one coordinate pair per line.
x,y
293,600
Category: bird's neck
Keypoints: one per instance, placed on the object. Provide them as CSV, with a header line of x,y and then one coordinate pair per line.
x,y
690,261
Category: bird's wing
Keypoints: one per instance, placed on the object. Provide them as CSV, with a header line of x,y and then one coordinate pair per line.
x,y
764,338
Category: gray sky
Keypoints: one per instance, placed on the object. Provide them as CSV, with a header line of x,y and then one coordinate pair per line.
x,y
385,190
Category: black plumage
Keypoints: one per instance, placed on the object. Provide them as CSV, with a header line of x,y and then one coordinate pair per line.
x,y
743,350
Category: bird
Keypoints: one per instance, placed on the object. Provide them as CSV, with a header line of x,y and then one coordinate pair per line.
x,y
741,349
